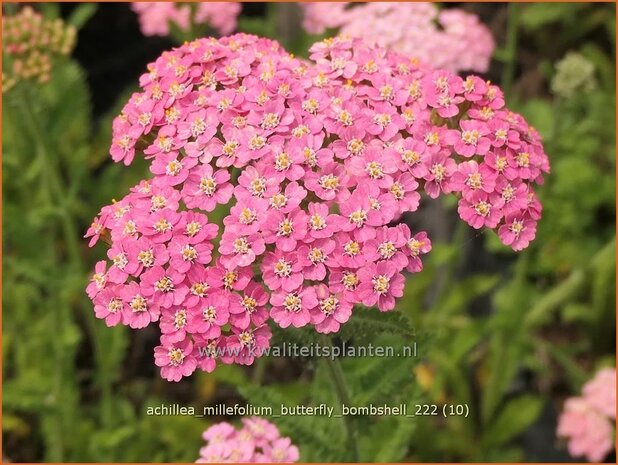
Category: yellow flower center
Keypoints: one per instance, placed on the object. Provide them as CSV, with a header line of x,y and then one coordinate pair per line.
x,y
374,170
189,253
508,193
229,279
257,187
162,225
358,217
282,268
270,121
381,284
247,216
329,182
199,289
470,137
241,245
157,202
209,313
173,168
286,227
249,303
482,208
246,338
345,118
164,284
300,131
415,246
278,201
397,190
382,119
316,255
475,181
130,228
355,146
292,303
317,222
310,157
138,304
439,171
432,138
386,92
501,134
146,258
410,157
517,227
351,248
114,305
229,148
193,228
329,305
262,98
180,319
349,280
310,106
257,142
386,249
120,260
523,159
239,122
198,126
282,161
176,356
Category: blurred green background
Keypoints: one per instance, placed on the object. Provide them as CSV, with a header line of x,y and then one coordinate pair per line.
x,y
510,335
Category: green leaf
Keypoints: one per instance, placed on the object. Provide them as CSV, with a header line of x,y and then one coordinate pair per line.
x,y
81,14
513,419
537,15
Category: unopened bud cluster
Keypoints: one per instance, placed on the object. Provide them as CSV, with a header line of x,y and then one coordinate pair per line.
x,y
31,43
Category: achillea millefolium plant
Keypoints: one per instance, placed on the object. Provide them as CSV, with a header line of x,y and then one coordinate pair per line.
x,y
318,160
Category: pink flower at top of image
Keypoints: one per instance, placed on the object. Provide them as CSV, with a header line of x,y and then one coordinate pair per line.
x,y
588,422
257,441
221,16
279,189
156,18
448,39
320,16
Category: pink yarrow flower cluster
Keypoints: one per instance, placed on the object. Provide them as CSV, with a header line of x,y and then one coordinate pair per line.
x,y
318,162
448,39
258,441
588,421
155,18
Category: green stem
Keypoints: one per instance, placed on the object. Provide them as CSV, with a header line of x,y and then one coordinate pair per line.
x,y
508,74
341,390
57,433
56,196
447,271
260,369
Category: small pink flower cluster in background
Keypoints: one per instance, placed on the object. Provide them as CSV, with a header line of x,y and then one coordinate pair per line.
x,y
588,422
450,39
258,441
32,42
155,18
319,161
